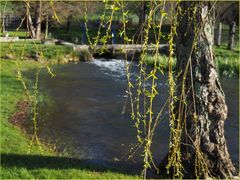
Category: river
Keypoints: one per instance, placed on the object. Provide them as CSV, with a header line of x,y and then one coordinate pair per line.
x,y
89,99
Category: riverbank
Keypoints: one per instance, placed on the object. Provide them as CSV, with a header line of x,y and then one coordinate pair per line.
x,y
20,159
227,61
36,51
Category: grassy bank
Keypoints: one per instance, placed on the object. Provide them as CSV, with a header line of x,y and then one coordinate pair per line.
x,y
227,61
18,158
30,50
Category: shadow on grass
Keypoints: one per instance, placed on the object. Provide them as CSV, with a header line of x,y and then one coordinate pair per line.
x,y
59,163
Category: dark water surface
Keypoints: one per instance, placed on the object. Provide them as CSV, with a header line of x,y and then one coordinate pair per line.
x,y
89,99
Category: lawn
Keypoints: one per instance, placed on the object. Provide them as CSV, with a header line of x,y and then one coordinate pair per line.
x,y
227,61
30,49
19,160
13,33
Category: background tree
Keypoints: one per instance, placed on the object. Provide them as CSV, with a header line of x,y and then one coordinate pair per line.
x,y
142,12
226,12
38,19
34,24
232,31
7,8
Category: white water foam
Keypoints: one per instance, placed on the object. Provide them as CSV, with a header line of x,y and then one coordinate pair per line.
x,y
113,67
117,69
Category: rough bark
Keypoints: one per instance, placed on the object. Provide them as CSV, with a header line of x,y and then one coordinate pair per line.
x,y
204,110
232,31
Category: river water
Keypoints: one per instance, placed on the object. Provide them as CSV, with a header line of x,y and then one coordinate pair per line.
x,y
89,99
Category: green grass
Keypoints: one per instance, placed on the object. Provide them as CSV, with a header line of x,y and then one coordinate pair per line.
x,y
161,60
45,53
28,50
227,61
19,159
13,33
222,51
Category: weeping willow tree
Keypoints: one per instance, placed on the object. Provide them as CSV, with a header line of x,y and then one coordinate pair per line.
x,y
197,107
198,144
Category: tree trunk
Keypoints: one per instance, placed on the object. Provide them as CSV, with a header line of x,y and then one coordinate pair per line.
x,y
46,28
142,13
68,25
30,27
3,15
200,108
232,30
3,24
142,19
219,34
38,15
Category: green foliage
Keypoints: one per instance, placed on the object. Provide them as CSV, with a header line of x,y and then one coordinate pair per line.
x,y
20,159
228,67
12,91
227,61
160,60
223,52
13,33
28,50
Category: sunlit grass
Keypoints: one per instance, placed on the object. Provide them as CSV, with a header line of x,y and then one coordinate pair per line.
x,y
14,33
161,61
28,50
19,160
227,61
228,67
